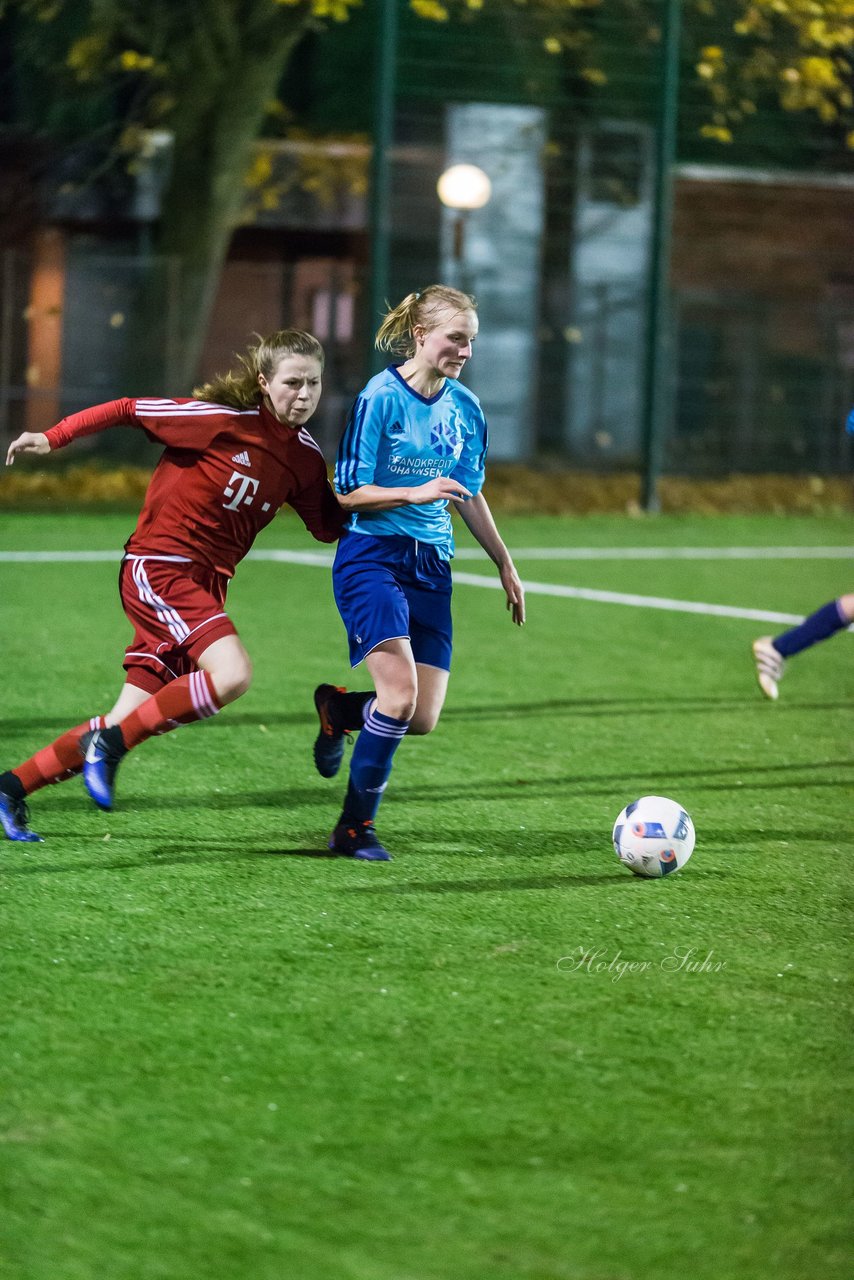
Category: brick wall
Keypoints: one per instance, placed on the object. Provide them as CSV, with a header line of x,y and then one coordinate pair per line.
x,y
772,240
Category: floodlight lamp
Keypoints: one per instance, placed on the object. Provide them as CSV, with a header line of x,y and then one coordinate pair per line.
x,y
464,186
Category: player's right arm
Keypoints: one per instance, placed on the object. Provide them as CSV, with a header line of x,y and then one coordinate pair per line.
x,y
356,465
27,442
183,424
113,414
377,497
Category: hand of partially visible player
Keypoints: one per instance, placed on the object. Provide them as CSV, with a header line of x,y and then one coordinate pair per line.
x,y
440,489
514,591
28,442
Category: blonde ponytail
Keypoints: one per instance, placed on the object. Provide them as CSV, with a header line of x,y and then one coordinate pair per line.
x,y
395,334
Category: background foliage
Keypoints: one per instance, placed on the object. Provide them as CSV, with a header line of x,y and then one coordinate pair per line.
x,y
90,79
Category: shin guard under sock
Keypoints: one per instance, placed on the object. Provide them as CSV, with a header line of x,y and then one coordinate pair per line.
x,y
60,760
182,701
370,765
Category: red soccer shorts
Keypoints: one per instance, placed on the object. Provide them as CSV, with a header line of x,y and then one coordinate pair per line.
x,y
176,608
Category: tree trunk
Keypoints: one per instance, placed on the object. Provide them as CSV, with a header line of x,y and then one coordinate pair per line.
x,y
214,133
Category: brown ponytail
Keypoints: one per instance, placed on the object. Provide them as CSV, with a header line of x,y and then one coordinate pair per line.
x,y
239,389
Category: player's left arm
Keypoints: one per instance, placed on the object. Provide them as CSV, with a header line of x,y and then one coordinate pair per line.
x,y
478,517
319,509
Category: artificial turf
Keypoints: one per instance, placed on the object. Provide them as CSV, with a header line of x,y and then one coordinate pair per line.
x,y
500,1057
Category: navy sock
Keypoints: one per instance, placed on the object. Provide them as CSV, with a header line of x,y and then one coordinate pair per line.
x,y
818,626
12,786
351,707
370,765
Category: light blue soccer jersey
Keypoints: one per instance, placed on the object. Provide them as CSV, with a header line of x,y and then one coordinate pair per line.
x,y
395,438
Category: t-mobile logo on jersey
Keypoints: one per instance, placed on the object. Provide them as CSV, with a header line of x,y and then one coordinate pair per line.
x,y
241,493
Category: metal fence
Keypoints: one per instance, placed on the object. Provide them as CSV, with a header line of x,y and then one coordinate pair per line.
x,y
67,339
737,399
740,399
759,367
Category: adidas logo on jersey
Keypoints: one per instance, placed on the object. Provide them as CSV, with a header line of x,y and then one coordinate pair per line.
x,y
242,459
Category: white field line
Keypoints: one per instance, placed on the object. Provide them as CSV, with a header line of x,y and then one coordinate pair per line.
x,y
113,557
324,559
669,553
627,598
58,557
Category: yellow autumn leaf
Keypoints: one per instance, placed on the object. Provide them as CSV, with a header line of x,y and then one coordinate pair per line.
x,y
717,132
430,9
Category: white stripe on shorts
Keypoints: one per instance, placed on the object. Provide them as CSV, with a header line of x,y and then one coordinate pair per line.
x,y
170,559
152,657
168,616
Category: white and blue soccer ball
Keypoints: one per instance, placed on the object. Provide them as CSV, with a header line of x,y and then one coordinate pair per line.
x,y
654,837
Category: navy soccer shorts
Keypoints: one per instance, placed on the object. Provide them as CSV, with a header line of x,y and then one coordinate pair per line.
x,y
394,587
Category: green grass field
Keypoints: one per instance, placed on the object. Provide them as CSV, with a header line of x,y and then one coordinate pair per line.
x,y
225,1058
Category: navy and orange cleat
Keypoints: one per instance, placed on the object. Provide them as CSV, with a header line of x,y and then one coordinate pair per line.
x,y
15,818
358,840
103,751
329,743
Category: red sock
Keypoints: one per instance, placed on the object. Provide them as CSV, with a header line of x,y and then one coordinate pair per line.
x,y
182,701
61,760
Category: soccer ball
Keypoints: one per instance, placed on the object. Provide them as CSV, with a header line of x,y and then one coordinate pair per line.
x,y
654,837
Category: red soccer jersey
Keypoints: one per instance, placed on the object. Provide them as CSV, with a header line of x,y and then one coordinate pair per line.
x,y
221,478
